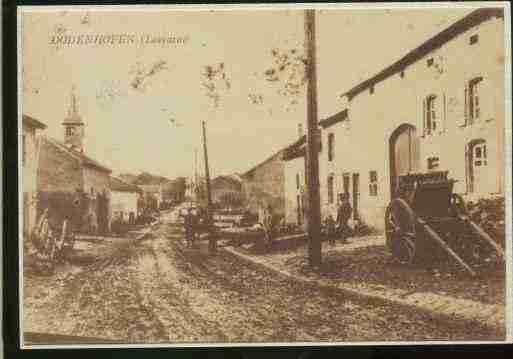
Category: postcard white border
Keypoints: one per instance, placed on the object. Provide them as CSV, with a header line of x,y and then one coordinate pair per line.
x,y
318,6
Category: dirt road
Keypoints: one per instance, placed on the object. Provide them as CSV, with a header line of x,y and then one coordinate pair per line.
x,y
155,290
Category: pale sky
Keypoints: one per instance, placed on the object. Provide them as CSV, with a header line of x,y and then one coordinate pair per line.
x,y
129,129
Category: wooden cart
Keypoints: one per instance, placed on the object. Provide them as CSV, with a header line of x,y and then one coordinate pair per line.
x,y
427,223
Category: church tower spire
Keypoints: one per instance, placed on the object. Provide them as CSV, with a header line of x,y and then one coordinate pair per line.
x,y
73,125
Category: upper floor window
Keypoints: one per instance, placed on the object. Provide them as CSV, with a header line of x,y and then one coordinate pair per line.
x,y
430,61
474,39
371,90
69,131
331,189
297,181
331,144
433,163
23,150
431,122
373,183
473,100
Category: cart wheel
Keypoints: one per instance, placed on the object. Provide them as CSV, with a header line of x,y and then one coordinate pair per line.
x,y
458,204
400,231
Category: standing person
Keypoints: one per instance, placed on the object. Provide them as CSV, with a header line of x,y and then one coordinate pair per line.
x,y
330,229
343,215
268,224
188,224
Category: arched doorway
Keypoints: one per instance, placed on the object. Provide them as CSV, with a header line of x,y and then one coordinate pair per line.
x,y
404,153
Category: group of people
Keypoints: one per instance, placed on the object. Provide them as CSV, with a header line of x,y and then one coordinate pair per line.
x,y
340,227
191,222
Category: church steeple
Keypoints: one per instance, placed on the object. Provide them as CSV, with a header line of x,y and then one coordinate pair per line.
x,y
73,125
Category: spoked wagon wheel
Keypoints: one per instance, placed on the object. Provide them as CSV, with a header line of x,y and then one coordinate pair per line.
x,y
458,205
400,231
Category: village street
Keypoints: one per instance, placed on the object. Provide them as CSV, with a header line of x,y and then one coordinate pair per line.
x,y
155,290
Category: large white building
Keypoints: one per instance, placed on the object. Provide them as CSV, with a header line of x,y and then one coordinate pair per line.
x,y
440,107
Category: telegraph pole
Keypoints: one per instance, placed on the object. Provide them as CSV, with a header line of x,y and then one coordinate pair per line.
x,y
211,241
312,145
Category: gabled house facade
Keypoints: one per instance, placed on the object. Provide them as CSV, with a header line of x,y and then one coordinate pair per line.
x,y
124,200
440,107
70,184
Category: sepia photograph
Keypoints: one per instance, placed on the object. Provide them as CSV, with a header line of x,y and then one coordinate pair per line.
x,y
264,175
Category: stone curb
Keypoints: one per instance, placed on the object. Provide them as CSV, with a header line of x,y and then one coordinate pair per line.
x,y
487,316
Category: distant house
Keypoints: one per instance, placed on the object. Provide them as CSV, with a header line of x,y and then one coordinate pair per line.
x,y
263,185
70,184
153,195
227,191
295,183
124,200
29,159
174,191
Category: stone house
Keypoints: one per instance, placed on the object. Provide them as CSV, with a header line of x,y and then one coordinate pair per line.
x,y
226,190
29,161
152,194
439,107
70,184
124,200
263,185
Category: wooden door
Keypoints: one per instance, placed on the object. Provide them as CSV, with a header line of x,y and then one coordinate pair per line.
x,y
481,181
102,212
404,153
299,211
346,183
356,194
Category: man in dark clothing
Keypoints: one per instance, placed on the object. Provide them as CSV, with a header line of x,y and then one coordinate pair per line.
x,y
343,215
188,222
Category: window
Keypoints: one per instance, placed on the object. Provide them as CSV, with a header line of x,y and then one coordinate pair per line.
x,y
69,131
373,183
330,189
430,115
23,150
474,111
297,181
433,163
331,144
430,62
474,39
371,90
402,74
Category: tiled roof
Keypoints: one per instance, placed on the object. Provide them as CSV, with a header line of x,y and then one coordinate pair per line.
x,y
119,185
150,188
32,122
86,161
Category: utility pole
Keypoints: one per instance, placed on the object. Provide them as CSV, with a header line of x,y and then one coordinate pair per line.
x,y
195,187
312,145
211,241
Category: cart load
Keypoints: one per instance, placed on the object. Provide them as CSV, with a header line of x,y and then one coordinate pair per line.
x,y
427,223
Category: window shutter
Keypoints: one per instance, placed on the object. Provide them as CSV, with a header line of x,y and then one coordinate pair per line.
x,y
468,179
465,107
444,112
486,101
424,116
